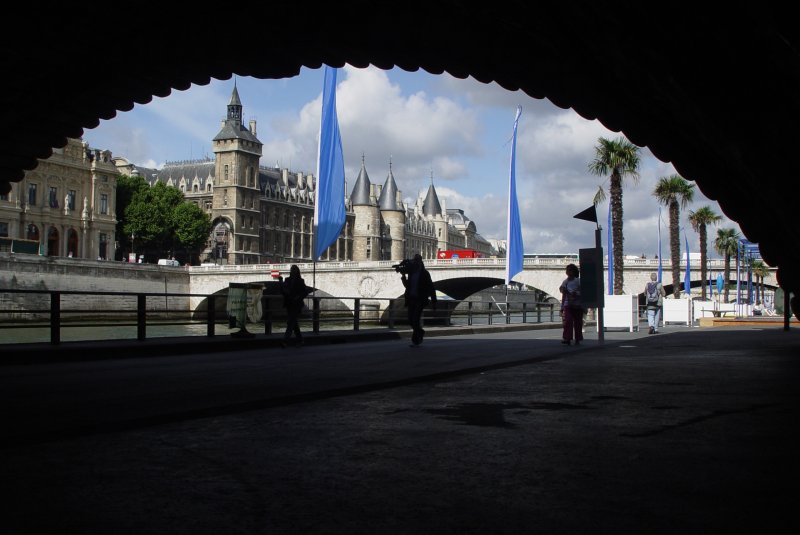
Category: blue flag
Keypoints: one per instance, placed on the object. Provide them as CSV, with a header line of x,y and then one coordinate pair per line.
x,y
687,279
329,213
610,241
514,248
659,245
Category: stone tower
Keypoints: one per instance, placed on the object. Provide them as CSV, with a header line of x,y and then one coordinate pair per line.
x,y
366,230
393,214
433,211
236,201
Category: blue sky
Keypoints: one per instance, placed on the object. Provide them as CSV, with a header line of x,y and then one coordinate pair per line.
x,y
457,130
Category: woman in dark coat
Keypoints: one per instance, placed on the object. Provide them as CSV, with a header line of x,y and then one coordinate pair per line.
x,y
294,290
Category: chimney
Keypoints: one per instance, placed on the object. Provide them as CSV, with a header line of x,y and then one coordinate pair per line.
x,y
253,126
285,177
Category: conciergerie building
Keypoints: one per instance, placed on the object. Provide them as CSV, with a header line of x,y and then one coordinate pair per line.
x,y
259,214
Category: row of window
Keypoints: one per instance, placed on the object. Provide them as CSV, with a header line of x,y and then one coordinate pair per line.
x,y
52,198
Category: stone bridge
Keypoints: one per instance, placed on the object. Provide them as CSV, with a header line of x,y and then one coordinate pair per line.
x,y
346,281
457,278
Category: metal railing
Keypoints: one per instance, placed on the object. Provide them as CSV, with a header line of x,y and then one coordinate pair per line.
x,y
45,309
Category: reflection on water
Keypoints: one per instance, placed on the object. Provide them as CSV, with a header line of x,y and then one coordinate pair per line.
x,y
31,334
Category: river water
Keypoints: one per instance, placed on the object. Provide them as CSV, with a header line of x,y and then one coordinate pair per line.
x,y
108,331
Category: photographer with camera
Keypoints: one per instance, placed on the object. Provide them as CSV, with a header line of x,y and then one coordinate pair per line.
x,y
419,288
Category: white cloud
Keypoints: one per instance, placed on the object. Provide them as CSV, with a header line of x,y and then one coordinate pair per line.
x,y
458,130
416,131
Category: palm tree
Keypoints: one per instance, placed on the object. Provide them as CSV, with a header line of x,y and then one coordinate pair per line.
x,y
699,219
675,193
727,244
760,270
618,158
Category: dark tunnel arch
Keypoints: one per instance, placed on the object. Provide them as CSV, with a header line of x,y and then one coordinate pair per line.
x,y
696,102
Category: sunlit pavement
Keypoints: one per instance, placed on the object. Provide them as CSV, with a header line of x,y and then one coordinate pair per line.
x,y
687,431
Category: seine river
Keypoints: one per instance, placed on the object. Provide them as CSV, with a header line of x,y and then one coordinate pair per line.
x,y
34,334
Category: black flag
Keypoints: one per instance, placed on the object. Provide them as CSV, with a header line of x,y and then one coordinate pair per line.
x,y
590,214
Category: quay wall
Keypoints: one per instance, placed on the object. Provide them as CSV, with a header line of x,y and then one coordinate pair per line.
x,y
33,272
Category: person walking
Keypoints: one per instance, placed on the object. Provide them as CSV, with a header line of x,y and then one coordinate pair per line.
x,y
571,307
294,290
654,300
419,291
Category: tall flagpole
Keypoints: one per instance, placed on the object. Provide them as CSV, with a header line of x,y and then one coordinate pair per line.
x,y
514,245
329,209
609,240
660,256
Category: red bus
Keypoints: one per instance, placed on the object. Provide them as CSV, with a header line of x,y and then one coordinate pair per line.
x,y
458,253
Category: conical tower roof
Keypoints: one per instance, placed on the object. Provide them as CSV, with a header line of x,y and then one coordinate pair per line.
x,y
388,198
235,97
360,195
431,206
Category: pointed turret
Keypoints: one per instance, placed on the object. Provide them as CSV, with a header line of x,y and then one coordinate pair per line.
x,y
388,198
232,127
360,195
431,206
235,106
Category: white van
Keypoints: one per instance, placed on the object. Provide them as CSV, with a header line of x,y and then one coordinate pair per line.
x,y
168,262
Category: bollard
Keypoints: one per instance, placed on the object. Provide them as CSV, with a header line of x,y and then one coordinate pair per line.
x,y
469,313
315,318
141,316
266,311
524,312
55,318
356,313
211,315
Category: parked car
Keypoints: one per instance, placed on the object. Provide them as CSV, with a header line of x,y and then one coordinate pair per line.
x,y
168,262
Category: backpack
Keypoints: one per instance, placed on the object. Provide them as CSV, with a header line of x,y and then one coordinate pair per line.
x,y
652,294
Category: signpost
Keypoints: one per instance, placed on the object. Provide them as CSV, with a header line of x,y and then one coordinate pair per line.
x,y
591,268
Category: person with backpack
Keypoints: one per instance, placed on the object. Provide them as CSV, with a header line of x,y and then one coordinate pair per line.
x,y
654,298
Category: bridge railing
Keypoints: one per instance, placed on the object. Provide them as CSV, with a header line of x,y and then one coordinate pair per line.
x,y
380,265
47,313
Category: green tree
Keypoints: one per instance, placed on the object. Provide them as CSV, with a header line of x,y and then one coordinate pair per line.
x,y
127,186
760,270
617,159
192,228
151,217
727,244
674,192
700,219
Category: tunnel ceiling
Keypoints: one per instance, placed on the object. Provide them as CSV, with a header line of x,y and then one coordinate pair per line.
x,y
712,89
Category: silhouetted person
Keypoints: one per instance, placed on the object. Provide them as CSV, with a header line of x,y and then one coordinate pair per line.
x,y
571,307
294,290
419,291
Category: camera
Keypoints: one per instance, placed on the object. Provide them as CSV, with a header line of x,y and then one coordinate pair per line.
x,y
403,267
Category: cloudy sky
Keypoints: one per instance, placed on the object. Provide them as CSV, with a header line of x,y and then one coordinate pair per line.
x,y
458,131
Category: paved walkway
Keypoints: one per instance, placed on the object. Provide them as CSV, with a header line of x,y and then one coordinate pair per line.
x,y
688,431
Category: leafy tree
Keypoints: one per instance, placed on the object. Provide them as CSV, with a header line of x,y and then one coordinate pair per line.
x,y
700,219
618,159
127,186
674,192
727,244
760,270
162,221
192,227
